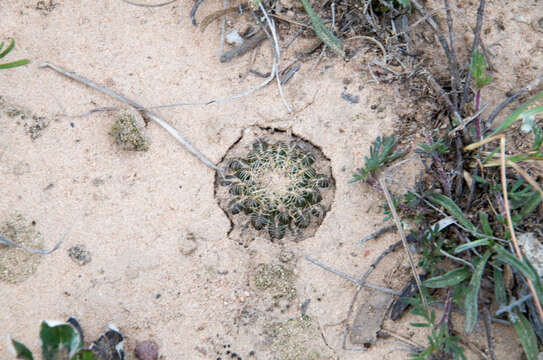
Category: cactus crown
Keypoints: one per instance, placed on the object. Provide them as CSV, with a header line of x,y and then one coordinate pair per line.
x,y
276,186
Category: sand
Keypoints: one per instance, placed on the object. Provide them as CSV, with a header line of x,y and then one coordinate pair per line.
x,y
162,264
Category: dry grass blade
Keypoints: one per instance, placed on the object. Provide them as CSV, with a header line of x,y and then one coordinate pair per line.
x,y
510,224
404,242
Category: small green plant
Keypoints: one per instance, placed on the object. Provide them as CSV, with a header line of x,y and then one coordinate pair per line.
x,y
440,341
276,186
59,341
322,31
6,51
64,341
381,154
459,249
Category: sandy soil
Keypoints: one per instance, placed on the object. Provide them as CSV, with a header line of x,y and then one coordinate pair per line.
x,y
162,264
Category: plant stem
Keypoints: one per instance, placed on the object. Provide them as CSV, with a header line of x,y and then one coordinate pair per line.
x,y
478,118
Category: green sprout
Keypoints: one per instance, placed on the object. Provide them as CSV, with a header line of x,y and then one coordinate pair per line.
x,y
381,153
58,341
7,51
478,70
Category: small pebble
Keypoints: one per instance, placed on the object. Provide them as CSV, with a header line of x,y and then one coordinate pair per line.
x,y
146,350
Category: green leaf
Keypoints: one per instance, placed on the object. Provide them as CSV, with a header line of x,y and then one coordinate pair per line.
x,y
499,287
483,219
21,351
453,210
517,114
472,244
531,205
526,335
472,297
420,324
56,336
508,258
84,355
451,278
8,49
14,64
322,32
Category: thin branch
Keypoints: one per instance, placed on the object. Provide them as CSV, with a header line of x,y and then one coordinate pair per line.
x,y
404,242
271,25
510,224
194,10
488,331
149,5
534,84
351,278
476,41
453,63
377,233
5,241
138,107
514,304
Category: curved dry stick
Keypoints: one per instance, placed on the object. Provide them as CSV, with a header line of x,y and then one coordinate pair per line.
x,y
149,5
5,241
173,131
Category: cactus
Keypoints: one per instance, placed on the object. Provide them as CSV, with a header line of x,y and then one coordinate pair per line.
x,y
276,187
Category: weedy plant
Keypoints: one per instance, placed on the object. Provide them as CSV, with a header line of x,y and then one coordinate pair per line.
x,y
59,341
381,154
64,341
467,234
6,51
277,187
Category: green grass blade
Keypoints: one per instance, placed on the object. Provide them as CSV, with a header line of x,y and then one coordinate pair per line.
x,y
8,49
472,244
453,210
526,335
523,266
517,114
508,258
533,111
322,32
21,351
483,219
499,287
530,206
451,278
84,355
14,64
473,293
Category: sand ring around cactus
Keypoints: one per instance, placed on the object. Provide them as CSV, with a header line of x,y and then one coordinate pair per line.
x,y
276,185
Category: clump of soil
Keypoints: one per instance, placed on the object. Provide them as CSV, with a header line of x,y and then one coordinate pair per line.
x,y
292,339
33,124
79,254
276,185
17,265
128,131
275,278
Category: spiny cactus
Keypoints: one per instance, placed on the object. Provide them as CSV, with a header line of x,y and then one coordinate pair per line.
x,y
276,187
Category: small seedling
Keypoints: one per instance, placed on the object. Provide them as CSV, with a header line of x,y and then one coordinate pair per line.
x,y
381,154
6,51
59,341
64,341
